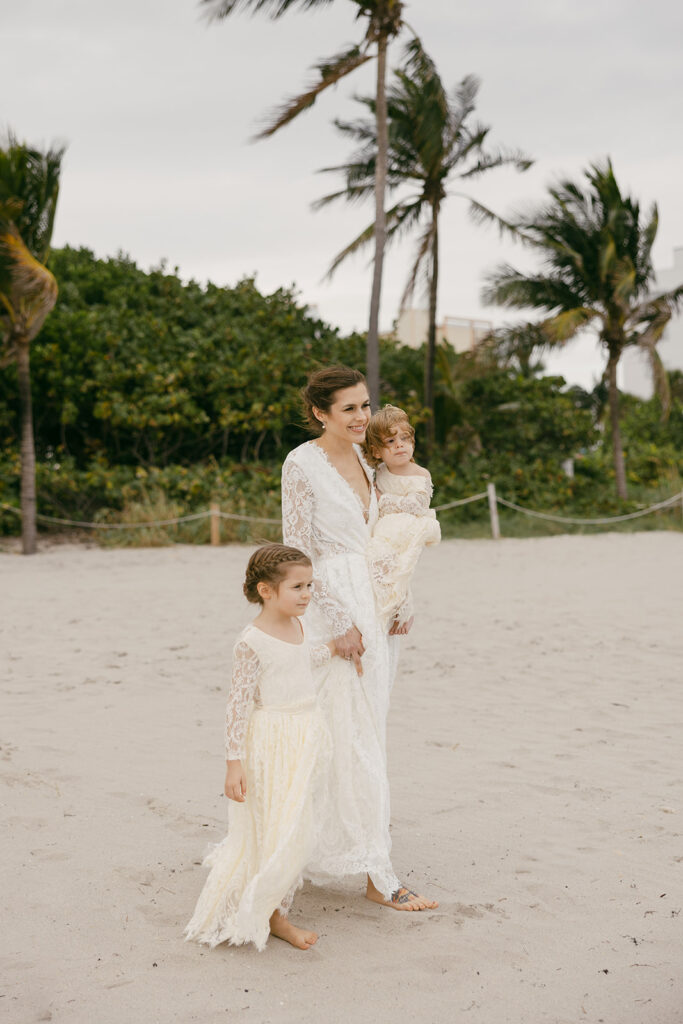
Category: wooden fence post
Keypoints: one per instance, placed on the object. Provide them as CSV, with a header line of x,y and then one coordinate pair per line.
x,y
493,511
215,524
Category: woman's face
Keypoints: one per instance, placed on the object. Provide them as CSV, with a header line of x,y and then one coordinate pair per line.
x,y
348,416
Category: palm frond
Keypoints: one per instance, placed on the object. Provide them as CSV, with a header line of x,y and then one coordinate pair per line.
x,y
508,287
330,72
559,329
29,190
481,214
520,343
657,308
349,195
420,261
364,238
660,378
216,10
649,234
498,158
32,293
399,218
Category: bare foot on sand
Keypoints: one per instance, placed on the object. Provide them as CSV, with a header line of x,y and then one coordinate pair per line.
x,y
299,937
402,899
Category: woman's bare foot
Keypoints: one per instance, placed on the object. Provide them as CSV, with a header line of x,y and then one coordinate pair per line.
x,y
283,929
402,899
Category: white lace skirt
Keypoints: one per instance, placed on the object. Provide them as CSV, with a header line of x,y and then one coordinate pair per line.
x,y
392,553
354,835
271,836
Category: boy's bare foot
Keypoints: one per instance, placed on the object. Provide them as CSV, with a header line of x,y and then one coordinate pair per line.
x,y
283,929
402,899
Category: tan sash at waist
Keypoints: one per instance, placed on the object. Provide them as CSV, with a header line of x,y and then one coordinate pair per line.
x,y
288,709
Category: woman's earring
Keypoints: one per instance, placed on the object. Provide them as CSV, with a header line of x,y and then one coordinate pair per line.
x,y
322,425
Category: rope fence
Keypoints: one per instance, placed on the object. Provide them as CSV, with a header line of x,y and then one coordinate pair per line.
x,y
460,501
216,514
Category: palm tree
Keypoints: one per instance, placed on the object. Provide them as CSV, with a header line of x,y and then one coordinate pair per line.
x,y
29,187
431,142
384,22
597,270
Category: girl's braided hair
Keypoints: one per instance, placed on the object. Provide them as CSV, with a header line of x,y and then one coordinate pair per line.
x,y
269,564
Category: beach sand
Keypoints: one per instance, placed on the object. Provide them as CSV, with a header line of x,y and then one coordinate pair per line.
x,y
536,764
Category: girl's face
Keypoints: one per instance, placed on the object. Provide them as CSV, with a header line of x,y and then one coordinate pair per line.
x,y
397,450
292,594
348,417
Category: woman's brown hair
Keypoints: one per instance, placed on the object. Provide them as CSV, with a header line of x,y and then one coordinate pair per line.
x,y
269,564
321,388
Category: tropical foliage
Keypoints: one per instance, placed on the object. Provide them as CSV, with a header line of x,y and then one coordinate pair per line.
x,y
154,397
383,21
29,187
433,141
596,273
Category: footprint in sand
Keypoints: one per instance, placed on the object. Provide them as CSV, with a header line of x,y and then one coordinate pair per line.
x,y
477,910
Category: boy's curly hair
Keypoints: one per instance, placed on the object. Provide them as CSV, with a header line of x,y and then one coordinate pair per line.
x,y
269,564
380,428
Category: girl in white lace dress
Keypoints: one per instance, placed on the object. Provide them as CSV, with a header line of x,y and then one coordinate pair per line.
x,y
329,509
277,752
406,523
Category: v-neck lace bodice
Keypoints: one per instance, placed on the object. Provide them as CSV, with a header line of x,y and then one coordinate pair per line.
x,y
366,471
322,515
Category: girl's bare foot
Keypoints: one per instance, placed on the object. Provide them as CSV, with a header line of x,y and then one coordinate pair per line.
x,y
402,899
283,929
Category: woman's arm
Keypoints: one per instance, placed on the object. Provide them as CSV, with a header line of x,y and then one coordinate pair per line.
x,y
298,502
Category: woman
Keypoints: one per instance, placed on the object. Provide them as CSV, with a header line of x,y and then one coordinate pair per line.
x,y
329,508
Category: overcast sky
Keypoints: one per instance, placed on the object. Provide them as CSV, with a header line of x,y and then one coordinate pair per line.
x,y
157,108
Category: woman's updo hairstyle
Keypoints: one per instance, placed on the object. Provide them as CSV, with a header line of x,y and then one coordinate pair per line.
x,y
269,564
322,387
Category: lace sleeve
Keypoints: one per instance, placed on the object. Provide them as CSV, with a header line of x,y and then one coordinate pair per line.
x,y
416,504
245,677
297,529
320,656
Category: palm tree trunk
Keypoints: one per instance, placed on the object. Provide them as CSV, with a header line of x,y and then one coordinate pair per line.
x,y
28,452
431,333
619,467
372,354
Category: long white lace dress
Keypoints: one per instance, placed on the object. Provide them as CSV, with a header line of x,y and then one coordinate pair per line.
x,y
275,727
406,524
323,516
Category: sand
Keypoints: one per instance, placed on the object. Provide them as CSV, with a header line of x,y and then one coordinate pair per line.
x,y
536,762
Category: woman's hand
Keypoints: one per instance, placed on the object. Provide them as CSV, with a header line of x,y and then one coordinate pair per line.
x,y
235,782
401,628
350,646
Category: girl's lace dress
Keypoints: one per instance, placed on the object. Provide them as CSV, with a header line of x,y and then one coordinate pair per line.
x,y
323,516
274,726
406,524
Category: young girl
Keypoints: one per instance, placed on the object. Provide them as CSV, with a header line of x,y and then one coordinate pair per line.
x,y
277,757
406,522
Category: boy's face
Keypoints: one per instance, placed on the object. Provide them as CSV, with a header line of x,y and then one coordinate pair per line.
x,y
397,449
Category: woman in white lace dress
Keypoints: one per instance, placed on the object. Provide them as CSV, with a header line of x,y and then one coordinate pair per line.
x,y
277,754
329,509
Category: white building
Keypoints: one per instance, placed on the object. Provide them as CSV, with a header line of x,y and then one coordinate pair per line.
x,y
463,334
634,370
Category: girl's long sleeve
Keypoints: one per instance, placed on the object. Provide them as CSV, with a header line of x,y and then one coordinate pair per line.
x,y
297,530
246,670
320,655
